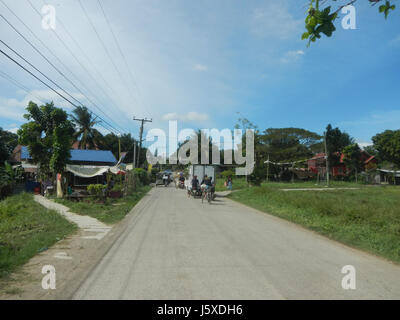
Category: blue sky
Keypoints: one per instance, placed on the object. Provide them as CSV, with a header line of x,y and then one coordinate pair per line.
x,y
202,62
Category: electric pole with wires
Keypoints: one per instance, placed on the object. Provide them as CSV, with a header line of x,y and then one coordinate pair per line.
x,y
142,121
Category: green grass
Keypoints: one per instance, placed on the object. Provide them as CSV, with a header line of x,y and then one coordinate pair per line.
x,y
240,183
27,228
312,184
368,218
110,212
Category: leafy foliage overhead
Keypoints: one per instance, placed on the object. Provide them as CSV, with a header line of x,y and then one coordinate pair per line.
x,y
320,20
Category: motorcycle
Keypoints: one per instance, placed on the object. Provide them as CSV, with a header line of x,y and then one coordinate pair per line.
x,y
166,180
181,185
194,192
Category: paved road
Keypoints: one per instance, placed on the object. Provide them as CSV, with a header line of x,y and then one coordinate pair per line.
x,y
179,248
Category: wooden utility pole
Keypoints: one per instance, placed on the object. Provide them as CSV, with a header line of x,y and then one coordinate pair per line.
x,y
142,121
268,169
134,155
327,161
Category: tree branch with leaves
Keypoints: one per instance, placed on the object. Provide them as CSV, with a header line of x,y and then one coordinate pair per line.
x,y
320,19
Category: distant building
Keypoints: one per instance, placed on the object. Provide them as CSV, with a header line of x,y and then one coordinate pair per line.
x,y
317,164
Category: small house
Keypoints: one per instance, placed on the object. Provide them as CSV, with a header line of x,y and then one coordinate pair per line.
x,y
84,166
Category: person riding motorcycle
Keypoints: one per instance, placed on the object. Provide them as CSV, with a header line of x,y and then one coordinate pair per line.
x,y
195,183
181,181
208,182
194,188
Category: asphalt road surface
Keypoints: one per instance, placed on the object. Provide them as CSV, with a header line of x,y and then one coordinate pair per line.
x,y
179,248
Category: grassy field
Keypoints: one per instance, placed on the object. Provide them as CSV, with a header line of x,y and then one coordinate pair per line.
x,y
27,228
240,183
368,218
110,212
311,184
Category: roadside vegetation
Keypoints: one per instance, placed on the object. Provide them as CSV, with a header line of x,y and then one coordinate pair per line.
x,y
108,211
237,184
27,228
367,218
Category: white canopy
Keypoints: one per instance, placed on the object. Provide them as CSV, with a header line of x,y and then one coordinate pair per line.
x,y
91,171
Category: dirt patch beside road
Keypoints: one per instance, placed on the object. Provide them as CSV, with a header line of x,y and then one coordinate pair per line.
x,y
73,258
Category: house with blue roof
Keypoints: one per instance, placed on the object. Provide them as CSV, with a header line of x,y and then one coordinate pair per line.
x,y
80,157
84,167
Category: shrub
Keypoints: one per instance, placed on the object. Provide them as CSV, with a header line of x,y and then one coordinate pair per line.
x,y
97,190
142,175
227,173
117,187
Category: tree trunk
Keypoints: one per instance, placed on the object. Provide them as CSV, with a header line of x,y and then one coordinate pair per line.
x,y
59,186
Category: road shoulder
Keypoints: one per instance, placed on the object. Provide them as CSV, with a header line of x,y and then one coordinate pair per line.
x,y
73,259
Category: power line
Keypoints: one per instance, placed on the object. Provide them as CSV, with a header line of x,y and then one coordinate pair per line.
x,y
105,49
47,85
59,22
30,64
21,86
80,64
119,48
43,56
37,78
84,68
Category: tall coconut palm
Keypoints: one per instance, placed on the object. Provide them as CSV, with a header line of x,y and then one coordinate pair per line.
x,y
84,126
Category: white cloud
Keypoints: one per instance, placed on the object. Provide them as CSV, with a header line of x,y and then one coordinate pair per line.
x,y
274,21
364,144
200,67
372,123
395,41
292,56
13,130
14,108
190,116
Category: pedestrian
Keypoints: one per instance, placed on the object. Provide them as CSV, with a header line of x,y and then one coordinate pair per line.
x,y
229,184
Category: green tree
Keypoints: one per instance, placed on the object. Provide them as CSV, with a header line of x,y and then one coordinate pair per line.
x,y
387,144
352,158
48,136
285,145
111,142
321,16
8,141
84,123
290,144
336,141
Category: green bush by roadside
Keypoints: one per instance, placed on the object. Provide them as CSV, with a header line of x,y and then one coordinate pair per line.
x,y
97,190
143,176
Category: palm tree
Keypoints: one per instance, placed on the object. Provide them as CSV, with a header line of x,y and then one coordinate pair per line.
x,y
85,131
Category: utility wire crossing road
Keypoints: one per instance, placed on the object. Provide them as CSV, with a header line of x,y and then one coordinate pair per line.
x,y
178,248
